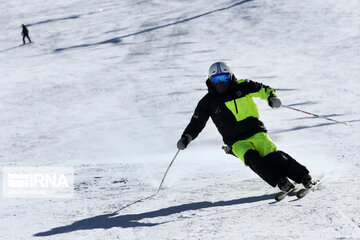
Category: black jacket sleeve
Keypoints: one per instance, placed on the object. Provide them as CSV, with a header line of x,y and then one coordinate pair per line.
x,y
257,89
198,120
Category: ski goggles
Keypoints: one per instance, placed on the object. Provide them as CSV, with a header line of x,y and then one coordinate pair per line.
x,y
223,77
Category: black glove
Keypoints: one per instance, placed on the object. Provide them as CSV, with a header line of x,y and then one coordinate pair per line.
x,y
184,141
228,150
274,102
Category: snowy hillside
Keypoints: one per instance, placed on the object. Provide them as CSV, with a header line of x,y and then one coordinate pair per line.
x,y
108,87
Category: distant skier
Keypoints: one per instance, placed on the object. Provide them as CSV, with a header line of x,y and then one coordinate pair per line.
x,y
25,33
230,105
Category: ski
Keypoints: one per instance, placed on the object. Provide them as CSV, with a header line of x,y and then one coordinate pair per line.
x,y
304,191
25,44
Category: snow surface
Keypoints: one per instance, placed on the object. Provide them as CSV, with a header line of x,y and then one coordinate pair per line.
x,y
108,87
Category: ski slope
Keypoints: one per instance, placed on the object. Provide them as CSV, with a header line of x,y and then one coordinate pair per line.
x,y
108,87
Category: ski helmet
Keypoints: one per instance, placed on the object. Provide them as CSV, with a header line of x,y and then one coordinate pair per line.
x,y
218,68
220,75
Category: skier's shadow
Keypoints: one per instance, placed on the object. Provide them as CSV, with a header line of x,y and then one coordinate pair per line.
x,y
111,220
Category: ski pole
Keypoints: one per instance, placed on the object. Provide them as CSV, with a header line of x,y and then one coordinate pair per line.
x,y
167,170
330,119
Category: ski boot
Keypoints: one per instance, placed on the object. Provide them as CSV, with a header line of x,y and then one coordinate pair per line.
x,y
285,185
308,182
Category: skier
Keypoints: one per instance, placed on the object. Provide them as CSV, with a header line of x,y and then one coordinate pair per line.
x,y
25,33
230,105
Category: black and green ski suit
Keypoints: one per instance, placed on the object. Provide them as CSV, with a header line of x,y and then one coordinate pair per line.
x,y
236,117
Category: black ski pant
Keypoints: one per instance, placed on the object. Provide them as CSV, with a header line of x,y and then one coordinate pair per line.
x,y
26,36
274,166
